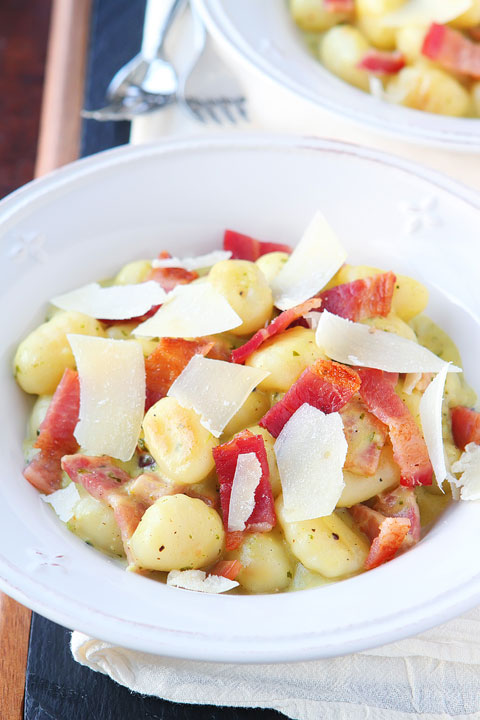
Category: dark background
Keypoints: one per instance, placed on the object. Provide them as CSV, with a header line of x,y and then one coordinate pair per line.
x,y
23,46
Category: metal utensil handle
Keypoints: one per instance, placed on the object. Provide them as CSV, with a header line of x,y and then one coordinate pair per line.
x,y
159,16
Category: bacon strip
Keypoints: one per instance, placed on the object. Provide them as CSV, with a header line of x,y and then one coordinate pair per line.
x,y
386,534
465,426
381,62
244,247
227,568
365,436
233,540
361,299
105,482
148,488
452,50
169,278
166,362
137,320
281,323
339,6
326,385
56,437
409,448
401,502
263,517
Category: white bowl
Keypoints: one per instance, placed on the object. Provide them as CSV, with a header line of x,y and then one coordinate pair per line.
x,y
81,223
262,35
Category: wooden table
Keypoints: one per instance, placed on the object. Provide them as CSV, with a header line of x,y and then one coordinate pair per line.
x,y
58,143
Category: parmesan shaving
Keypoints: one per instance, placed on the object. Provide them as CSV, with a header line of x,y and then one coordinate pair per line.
x,y
312,264
215,389
410,382
63,501
311,452
199,581
469,466
431,417
193,263
112,395
191,311
118,302
354,343
248,473
425,12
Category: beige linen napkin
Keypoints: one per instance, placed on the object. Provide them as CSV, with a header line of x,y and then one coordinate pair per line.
x,y
435,676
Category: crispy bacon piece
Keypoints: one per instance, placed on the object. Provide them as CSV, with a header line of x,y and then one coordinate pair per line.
x,y
365,436
474,33
326,385
452,50
105,482
147,488
170,277
227,568
263,516
56,435
244,247
233,540
166,362
281,323
98,475
409,449
137,320
401,502
339,6
380,62
465,426
361,299
387,534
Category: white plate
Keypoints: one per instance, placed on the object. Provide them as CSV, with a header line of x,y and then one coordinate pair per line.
x,y
262,35
82,223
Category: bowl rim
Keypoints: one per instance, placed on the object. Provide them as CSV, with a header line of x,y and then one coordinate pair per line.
x,y
42,598
440,131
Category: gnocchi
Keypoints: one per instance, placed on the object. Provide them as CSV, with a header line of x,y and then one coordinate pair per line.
x,y
244,286
43,356
180,445
177,532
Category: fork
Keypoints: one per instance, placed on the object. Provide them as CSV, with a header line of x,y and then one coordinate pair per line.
x,y
148,81
207,89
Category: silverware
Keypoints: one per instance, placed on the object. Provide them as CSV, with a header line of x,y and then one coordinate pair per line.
x,y
207,89
148,81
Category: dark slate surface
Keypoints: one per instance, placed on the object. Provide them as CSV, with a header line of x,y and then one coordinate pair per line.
x,y
57,688
60,689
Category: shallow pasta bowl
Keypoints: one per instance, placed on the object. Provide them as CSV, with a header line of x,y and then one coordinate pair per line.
x,y
262,37
82,223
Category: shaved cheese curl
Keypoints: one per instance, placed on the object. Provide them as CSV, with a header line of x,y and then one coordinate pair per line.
x,y
354,343
215,389
118,302
431,417
199,581
312,264
248,473
311,452
191,311
112,394
469,467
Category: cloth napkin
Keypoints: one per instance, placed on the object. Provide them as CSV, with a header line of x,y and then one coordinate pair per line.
x,y
435,675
